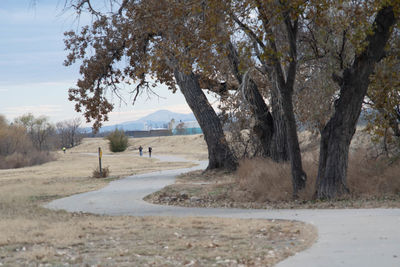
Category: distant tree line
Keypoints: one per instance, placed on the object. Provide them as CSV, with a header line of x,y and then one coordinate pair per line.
x,y
28,140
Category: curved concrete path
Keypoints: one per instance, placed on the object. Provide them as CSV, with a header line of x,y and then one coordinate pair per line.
x,y
347,237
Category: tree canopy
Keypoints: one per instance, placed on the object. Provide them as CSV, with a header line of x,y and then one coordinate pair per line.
x,y
308,61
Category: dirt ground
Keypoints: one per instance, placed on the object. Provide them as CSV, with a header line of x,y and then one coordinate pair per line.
x,y
31,235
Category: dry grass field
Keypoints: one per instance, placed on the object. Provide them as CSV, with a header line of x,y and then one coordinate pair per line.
x,y
31,235
262,183
192,147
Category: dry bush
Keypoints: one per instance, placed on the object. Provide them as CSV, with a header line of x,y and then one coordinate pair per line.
x,y
17,150
40,157
16,160
368,177
20,160
105,172
14,139
265,180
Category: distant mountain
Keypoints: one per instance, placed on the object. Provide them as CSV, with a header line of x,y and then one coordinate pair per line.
x,y
167,116
158,119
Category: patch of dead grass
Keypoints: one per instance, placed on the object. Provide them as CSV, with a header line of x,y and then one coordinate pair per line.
x,y
33,235
265,180
192,147
261,183
373,178
125,241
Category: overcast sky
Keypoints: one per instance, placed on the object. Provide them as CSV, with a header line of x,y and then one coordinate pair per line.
x,y
32,76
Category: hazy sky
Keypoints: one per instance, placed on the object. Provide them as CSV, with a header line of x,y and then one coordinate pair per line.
x,y
32,76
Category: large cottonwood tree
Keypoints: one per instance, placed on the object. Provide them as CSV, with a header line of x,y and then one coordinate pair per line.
x,y
342,43
171,44
156,39
354,81
368,40
272,30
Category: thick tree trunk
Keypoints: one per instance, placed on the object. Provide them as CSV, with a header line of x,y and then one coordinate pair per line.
x,y
219,153
285,84
279,147
264,126
299,177
270,128
337,134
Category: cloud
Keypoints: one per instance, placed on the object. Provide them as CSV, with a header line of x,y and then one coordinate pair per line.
x,y
39,110
8,86
32,58
179,108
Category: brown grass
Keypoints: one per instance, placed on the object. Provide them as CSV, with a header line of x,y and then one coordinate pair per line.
x,y
266,180
373,178
82,240
261,183
191,147
31,235
20,160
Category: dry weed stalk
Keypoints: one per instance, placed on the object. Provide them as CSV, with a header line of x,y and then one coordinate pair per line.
x,y
103,174
266,180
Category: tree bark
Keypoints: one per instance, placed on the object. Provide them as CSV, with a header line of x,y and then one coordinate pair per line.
x,y
279,147
285,86
268,128
264,126
299,177
219,153
338,132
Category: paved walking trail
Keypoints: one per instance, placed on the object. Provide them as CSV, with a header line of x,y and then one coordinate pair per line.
x,y
347,237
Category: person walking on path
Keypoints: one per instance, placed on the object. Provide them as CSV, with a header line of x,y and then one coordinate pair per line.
x,y
150,149
140,150
63,149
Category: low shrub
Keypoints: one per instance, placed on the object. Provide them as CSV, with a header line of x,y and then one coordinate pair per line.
x,y
20,160
40,157
17,149
369,177
16,160
266,180
105,172
118,141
